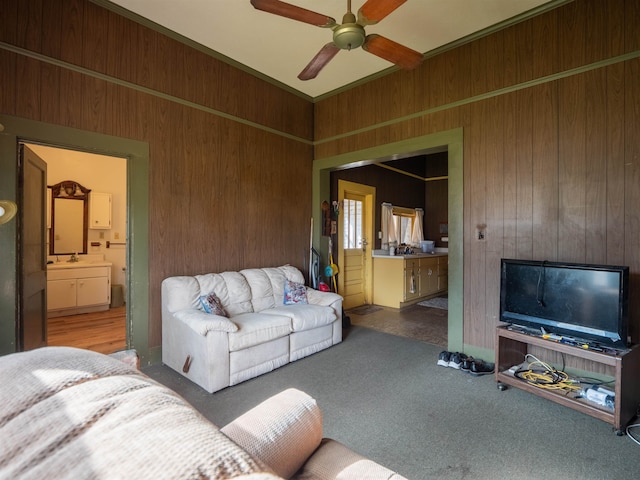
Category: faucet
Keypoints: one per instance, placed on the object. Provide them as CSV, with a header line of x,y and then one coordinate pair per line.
x,y
74,258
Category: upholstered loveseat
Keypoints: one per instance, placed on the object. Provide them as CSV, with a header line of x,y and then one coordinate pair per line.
x,y
74,414
220,329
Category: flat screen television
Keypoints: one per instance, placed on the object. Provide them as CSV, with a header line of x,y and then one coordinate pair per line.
x,y
586,302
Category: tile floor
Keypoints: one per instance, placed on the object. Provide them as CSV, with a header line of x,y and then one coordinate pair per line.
x,y
421,323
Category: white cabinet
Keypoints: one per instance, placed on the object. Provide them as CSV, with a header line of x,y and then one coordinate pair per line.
x,y
99,210
80,289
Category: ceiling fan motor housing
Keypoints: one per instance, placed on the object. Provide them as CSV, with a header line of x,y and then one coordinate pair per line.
x,y
350,34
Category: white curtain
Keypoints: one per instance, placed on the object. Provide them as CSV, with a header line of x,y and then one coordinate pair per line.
x,y
388,226
416,234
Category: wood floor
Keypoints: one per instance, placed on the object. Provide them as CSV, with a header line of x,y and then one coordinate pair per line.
x,y
103,332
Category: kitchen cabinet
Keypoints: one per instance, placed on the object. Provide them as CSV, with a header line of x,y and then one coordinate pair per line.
x,y
411,280
428,276
403,280
99,210
78,289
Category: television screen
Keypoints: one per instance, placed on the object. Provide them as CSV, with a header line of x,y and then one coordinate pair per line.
x,y
587,302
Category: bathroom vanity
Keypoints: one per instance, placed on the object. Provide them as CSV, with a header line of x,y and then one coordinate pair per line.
x,y
78,287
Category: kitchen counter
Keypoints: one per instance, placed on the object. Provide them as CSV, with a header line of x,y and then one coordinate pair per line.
x,y
384,254
402,280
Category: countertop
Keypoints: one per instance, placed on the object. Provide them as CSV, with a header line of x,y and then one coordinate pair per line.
x,y
379,254
81,264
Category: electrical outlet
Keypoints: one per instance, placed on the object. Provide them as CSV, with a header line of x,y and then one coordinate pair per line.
x,y
116,236
101,235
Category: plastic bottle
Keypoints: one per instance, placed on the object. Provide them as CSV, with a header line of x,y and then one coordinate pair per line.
x,y
599,395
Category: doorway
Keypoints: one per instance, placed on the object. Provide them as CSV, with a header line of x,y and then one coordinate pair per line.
x,y
14,130
355,240
452,142
90,324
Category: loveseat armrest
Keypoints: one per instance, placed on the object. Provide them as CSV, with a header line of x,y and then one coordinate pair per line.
x,y
329,299
203,323
334,461
282,432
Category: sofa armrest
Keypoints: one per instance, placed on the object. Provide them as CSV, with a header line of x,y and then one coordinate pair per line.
x,y
282,432
204,323
317,297
334,461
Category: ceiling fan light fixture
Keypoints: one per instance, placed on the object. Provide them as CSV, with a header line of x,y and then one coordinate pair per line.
x,y
349,36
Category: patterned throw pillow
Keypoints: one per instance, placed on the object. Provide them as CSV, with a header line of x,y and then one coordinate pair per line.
x,y
212,304
294,293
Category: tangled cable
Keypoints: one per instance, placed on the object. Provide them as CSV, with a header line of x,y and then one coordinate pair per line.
x,y
543,375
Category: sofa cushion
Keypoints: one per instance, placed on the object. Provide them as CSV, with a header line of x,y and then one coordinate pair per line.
x,y
231,288
72,413
256,328
267,284
304,317
294,293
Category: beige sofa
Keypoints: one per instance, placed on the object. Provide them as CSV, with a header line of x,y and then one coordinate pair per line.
x,y
254,332
70,413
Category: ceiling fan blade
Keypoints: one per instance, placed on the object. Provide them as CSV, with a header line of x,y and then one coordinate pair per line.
x,y
402,56
293,12
318,62
375,10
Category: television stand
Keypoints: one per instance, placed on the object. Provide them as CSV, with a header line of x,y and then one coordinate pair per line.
x,y
512,346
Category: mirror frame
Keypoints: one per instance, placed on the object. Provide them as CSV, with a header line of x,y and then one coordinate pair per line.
x,y
70,190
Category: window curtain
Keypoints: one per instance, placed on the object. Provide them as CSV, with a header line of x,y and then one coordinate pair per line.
x,y
388,226
416,234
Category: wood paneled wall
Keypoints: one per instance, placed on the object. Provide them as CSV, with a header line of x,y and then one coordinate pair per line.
x,y
550,109
225,193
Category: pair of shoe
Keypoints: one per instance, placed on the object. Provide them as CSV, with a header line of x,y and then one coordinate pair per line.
x,y
460,361
477,366
451,359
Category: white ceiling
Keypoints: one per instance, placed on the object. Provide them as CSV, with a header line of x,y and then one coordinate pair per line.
x,y
280,48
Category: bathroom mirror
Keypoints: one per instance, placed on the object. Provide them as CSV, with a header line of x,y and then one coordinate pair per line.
x,y
69,218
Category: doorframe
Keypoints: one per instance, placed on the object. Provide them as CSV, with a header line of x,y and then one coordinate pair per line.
x,y
369,192
14,130
452,142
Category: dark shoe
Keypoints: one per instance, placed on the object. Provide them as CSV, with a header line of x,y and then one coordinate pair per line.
x,y
478,367
456,359
466,364
443,358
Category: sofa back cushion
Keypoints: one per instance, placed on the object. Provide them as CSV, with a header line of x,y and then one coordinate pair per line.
x,y
180,293
231,288
250,290
267,285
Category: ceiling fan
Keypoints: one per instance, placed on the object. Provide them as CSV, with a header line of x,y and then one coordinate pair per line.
x,y
349,34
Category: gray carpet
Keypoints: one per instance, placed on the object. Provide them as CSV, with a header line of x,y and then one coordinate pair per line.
x,y
385,397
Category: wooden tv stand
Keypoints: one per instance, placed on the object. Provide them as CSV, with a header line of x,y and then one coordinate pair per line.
x,y
512,346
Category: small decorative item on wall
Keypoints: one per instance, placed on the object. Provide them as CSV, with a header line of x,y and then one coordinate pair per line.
x,y
326,219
